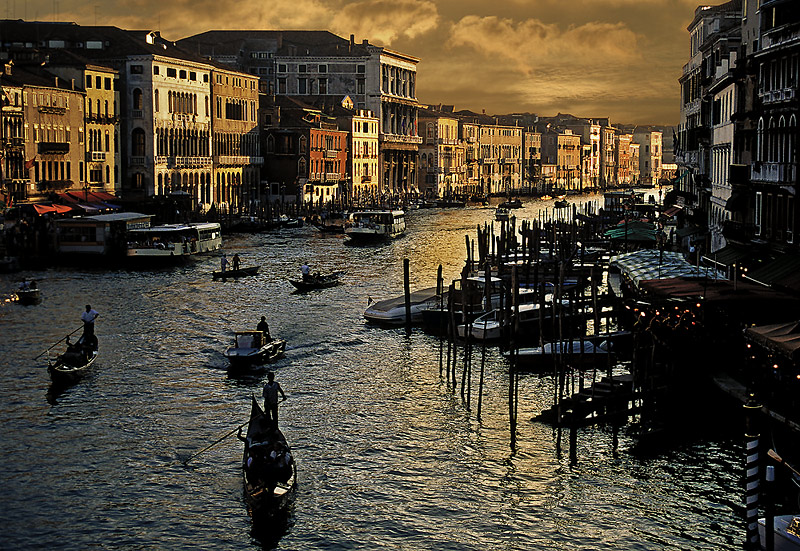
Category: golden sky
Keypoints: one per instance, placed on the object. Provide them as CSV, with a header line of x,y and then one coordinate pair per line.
x,y
592,58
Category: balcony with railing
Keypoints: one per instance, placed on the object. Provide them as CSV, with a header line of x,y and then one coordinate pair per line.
x,y
777,173
53,148
95,156
136,160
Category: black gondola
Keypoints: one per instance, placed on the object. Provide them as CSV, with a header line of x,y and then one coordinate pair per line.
x,y
72,365
316,282
233,274
269,470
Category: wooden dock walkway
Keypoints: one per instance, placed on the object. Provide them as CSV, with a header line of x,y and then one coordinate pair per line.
x,y
608,399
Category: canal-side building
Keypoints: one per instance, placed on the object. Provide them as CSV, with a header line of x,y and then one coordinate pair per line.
x,y
622,153
100,170
164,101
468,136
649,155
441,155
531,161
13,172
562,148
302,63
53,114
305,153
236,143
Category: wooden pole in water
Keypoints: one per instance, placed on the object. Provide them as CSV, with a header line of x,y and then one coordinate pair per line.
x,y
440,292
407,291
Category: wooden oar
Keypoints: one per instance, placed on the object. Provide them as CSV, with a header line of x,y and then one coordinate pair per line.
x,y
57,342
774,455
186,461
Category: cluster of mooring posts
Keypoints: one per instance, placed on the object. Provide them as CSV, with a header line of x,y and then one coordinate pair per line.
x,y
544,281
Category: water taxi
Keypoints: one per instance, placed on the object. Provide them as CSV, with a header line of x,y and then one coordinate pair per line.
x,y
174,240
376,224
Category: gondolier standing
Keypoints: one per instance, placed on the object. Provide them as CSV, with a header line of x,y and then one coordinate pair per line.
x,y
305,269
271,390
88,318
223,263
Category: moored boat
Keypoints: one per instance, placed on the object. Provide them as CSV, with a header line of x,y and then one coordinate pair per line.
x,y
316,282
376,224
268,467
392,311
584,354
173,241
252,348
232,274
71,365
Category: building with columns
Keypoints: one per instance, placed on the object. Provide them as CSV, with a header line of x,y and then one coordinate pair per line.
x,y
236,143
302,63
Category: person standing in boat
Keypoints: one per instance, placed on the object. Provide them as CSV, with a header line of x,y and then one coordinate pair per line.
x,y
271,391
88,318
305,269
263,326
236,262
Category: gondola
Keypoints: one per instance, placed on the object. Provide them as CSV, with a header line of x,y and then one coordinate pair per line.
x,y
269,470
232,274
561,204
70,366
251,348
29,296
316,282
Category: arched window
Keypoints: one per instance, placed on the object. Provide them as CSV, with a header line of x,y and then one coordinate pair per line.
x,y
301,166
155,101
302,144
138,142
760,142
137,99
270,144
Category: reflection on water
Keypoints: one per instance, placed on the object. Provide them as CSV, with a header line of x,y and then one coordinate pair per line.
x,y
388,455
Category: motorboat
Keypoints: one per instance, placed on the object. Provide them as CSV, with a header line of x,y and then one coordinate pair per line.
x,y
489,326
253,348
581,353
393,311
501,214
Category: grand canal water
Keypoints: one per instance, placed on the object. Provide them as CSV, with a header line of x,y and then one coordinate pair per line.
x,y
389,457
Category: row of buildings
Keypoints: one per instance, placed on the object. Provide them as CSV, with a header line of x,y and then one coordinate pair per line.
x,y
738,133
234,119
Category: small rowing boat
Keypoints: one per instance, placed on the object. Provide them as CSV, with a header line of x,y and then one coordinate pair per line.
x,y
316,282
233,274
270,472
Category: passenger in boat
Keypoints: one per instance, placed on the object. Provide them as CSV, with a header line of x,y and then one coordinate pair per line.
x,y
270,393
263,326
305,269
33,284
223,263
24,285
88,318
236,262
